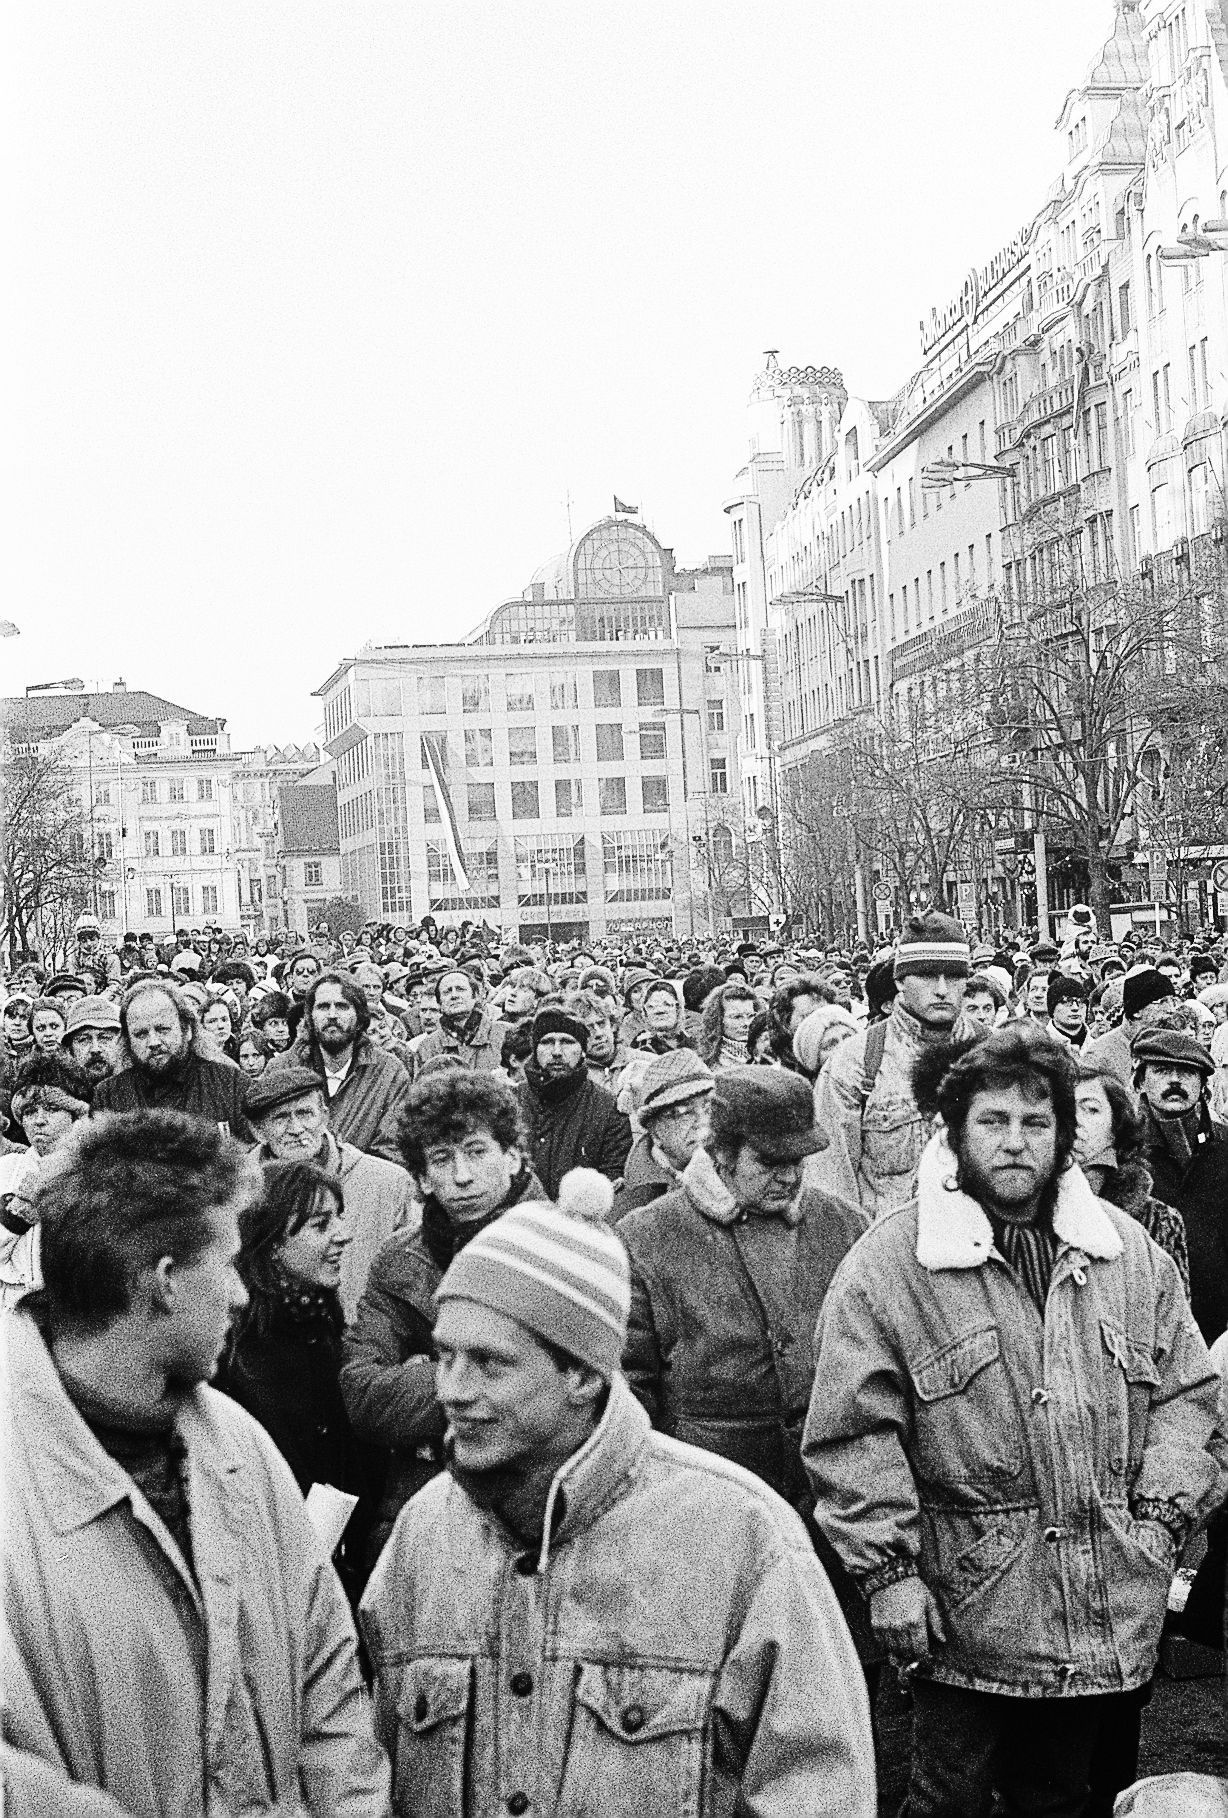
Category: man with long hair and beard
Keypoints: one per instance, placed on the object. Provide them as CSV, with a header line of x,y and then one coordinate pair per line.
x,y
1014,1429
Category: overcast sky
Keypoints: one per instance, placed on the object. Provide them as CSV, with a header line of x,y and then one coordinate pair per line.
x,y
320,312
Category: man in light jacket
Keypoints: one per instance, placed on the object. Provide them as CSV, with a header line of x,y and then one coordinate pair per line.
x,y
1014,1430
864,1100
176,1637
585,1617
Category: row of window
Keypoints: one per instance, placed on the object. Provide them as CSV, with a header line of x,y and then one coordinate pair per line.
x,y
178,899
151,787
396,697
151,840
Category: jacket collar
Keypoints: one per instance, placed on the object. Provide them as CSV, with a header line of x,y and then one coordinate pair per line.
x,y
82,1481
594,1477
711,1198
953,1232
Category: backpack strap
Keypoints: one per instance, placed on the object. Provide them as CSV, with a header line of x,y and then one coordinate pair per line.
x,y
876,1047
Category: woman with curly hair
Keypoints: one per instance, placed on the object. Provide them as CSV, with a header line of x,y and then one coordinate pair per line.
x,y
728,1013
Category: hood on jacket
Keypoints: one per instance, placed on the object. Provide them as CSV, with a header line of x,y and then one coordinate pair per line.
x,y
954,1232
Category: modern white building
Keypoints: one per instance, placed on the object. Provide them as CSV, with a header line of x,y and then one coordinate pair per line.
x,y
571,769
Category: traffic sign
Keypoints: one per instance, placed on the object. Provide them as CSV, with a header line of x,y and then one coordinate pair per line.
x,y
1219,877
882,893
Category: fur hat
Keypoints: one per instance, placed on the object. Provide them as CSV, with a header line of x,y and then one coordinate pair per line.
x,y
1146,986
767,1108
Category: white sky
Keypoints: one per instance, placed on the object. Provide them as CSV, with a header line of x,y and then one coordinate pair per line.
x,y
318,312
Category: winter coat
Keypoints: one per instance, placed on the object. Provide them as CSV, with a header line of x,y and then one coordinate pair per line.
x,y
286,1375
480,1052
1199,1191
212,1089
577,1127
1019,1466
236,1685
379,1199
1110,1053
1128,1187
644,1179
720,1343
366,1108
388,1372
874,1141
673,1647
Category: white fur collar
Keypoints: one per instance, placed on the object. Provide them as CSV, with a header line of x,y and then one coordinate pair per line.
x,y
954,1233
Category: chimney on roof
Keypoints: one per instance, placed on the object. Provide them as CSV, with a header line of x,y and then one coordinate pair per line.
x,y
120,687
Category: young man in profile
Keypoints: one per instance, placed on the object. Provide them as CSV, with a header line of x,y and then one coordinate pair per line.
x,y
580,1615
176,1636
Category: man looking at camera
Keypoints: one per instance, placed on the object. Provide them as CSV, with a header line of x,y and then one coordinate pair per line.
x,y
1013,1432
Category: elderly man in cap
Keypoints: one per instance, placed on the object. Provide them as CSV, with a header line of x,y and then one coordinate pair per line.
x,y
571,1121
728,1275
92,1036
674,1093
865,1104
580,1616
288,1110
1187,1152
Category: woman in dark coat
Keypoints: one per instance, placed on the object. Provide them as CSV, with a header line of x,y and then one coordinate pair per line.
x,y
284,1359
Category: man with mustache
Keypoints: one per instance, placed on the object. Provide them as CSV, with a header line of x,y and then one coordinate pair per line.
x,y
1187,1153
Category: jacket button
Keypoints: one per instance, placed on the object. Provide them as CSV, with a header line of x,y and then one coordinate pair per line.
x,y
1040,1397
1053,1535
421,1707
522,1684
519,1802
526,1565
633,1718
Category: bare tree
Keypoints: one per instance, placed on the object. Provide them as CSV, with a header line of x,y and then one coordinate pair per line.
x,y
1087,691
45,859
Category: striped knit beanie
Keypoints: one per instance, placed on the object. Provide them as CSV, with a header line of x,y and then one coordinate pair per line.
x,y
930,944
559,1270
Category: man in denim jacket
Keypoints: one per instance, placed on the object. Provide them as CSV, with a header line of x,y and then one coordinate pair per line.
x,y
581,1616
1014,1429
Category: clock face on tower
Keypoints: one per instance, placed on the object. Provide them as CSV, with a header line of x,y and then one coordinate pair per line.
x,y
618,562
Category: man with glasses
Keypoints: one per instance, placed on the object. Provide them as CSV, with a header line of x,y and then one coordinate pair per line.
x,y
674,1095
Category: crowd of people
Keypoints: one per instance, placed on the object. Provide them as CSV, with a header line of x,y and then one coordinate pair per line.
x,y
449,1377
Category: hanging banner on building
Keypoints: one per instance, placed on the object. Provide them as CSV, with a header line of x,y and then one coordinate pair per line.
x,y
447,814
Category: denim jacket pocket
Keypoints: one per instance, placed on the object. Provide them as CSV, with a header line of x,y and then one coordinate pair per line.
x,y
637,1742
433,1712
966,1428
1132,1379
889,1138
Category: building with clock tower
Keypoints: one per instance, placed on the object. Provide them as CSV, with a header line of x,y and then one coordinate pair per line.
x,y
569,771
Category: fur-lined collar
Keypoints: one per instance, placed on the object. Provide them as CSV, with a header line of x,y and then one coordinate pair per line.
x,y
953,1232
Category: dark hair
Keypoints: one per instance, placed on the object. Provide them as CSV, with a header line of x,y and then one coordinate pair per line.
x,y
1018,1054
985,987
762,1024
1129,1130
698,985
58,1070
446,1107
121,1193
350,990
272,1005
517,1044
880,989
1064,990
230,970
291,1194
